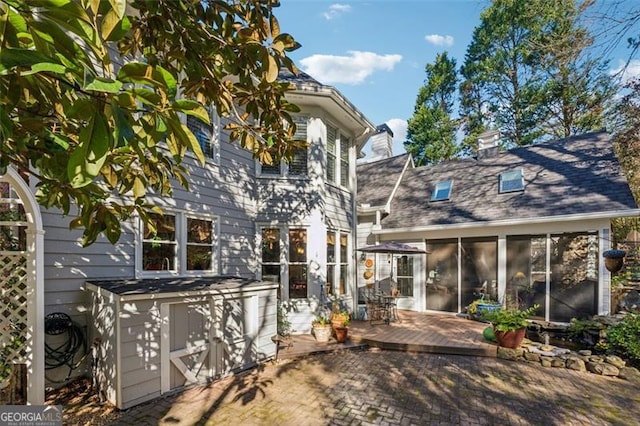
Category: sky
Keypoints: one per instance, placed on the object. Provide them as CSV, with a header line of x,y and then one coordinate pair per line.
x,y
375,51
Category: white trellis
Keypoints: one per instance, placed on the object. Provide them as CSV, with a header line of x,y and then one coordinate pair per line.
x,y
21,283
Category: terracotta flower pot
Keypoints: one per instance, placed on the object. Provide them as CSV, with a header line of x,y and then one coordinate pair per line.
x,y
341,334
510,339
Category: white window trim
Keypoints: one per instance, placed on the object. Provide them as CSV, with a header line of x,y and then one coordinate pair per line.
x,y
337,181
339,262
284,255
181,247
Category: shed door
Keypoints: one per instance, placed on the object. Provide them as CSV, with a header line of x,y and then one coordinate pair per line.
x,y
187,342
236,344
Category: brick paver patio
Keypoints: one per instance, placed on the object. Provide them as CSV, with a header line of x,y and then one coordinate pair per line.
x,y
375,386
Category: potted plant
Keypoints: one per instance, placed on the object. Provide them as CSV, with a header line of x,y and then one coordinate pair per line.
x,y
340,319
509,324
321,326
340,322
478,306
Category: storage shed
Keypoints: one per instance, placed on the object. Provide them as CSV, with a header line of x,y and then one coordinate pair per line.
x,y
157,335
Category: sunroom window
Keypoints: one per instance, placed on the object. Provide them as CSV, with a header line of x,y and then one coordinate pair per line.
x,y
511,181
442,190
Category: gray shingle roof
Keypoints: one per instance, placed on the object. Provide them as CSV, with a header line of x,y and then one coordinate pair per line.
x,y
301,78
377,179
578,175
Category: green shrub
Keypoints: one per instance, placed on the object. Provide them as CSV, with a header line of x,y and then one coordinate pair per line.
x,y
624,337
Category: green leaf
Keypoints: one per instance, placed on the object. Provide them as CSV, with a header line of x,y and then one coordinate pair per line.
x,y
272,70
114,27
11,58
139,73
48,67
99,84
89,156
119,6
192,108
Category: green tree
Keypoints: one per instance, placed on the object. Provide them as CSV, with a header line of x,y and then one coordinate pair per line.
x,y
502,83
580,90
627,135
527,73
92,93
431,131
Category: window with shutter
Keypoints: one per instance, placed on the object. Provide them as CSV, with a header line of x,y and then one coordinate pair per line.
x,y
332,134
344,161
206,134
299,163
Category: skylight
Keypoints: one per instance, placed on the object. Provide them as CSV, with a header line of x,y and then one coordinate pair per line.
x,y
442,190
511,181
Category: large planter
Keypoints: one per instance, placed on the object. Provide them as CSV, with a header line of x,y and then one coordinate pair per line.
x,y
341,333
322,333
510,339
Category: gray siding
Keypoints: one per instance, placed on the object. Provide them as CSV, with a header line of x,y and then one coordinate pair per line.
x,y
225,191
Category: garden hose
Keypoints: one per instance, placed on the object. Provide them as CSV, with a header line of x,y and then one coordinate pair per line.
x,y
56,324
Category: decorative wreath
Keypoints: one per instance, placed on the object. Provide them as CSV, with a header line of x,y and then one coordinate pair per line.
x,y
368,263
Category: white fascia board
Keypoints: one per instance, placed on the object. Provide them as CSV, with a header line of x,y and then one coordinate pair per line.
x,y
350,109
512,222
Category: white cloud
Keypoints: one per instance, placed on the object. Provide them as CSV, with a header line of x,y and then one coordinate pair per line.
x,y
399,128
439,40
627,71
353,69
335,10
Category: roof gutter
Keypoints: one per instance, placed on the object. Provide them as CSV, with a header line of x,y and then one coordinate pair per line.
x,y
511,222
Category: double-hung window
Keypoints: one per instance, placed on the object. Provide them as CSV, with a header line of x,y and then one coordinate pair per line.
x,y
271,270
179,243
337,157
208,135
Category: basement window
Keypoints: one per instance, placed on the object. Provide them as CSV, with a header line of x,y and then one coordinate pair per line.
x,y
511,181
442,190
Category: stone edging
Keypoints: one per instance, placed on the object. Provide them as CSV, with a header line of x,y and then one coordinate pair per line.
x,y
552,356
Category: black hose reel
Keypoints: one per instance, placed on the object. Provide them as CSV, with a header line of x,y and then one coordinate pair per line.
x,y
64,354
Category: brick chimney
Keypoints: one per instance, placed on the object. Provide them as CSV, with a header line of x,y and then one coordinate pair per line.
x,y
488,144
382,143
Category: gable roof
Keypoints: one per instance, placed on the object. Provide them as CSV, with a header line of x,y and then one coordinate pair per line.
x,y
378,179
567,177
